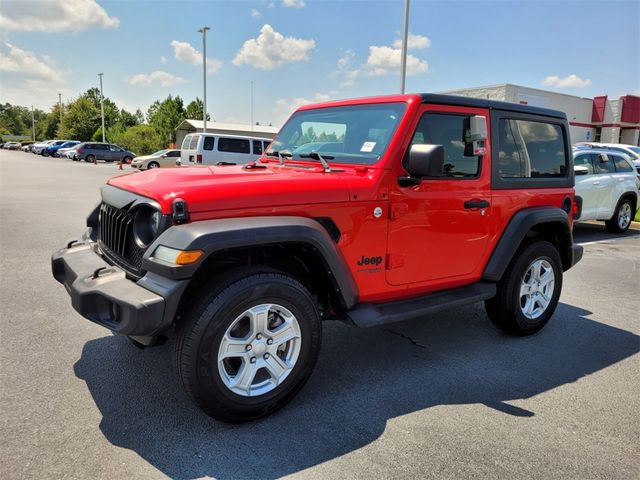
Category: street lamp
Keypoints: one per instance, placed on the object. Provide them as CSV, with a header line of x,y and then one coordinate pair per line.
x,y
203,31
60,105
405,35
102,106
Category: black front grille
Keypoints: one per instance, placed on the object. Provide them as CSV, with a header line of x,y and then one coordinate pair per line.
x,y
116,239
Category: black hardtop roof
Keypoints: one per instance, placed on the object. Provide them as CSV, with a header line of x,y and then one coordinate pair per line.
x,y
441,99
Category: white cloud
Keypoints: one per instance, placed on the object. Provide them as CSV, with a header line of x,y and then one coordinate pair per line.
x,y
414,42
55,16
285,107
185,52
384,60
28,65
163,59
572,81
255,13
272,50
345,60
159,76
293,3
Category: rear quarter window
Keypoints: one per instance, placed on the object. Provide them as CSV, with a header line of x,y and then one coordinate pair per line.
x,y
208,143
529,151
621,164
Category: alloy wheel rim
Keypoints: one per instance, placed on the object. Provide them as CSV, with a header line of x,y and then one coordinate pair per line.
x,y
624,215
536,289
259,350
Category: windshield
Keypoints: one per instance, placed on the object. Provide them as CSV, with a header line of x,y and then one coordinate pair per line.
x,y
159,153
635,150
357,134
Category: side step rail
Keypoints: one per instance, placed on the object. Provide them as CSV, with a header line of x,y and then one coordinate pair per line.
x,y
375,314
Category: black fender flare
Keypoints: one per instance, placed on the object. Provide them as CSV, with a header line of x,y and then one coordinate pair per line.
x,y
519,227
212,236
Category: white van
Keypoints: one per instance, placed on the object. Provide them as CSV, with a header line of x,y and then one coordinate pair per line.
x,y
214,149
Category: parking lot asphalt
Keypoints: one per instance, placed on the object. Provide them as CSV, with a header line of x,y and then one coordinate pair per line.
x,y
449,396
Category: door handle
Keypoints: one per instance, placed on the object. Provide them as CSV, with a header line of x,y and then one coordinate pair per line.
x,y
476,204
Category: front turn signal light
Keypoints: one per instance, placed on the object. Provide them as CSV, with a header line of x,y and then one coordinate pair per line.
x,y
177,257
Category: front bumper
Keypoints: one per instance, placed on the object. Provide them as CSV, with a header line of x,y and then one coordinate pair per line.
x,y
103,294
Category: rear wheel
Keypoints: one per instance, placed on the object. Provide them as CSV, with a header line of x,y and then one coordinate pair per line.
x,y
249,347
529,290
153,165
621,220
90,159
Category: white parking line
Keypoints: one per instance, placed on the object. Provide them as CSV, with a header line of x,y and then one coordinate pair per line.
x,y
594,242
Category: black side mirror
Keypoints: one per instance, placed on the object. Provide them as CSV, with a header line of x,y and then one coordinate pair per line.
x,y
424,161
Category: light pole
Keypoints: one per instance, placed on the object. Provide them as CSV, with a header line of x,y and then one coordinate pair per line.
x,y
60,106
102,106
203,31
33,124
405,35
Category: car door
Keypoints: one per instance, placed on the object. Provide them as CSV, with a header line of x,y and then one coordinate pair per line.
x,y
586,188
440,228
605,185
114,153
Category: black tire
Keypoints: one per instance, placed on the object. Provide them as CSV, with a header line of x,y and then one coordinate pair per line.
x,y
505,309
44,153
90,159
153,165
199,334
613,224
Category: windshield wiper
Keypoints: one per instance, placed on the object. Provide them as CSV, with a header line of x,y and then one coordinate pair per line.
x,y
321,158
281,155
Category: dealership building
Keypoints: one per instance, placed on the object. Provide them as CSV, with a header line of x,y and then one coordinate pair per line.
x,y
598,119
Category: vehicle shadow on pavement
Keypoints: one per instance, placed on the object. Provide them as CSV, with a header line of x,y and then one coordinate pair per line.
x,y
363,379
596,232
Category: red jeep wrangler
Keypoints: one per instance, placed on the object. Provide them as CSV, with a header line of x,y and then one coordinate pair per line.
x,y
370,211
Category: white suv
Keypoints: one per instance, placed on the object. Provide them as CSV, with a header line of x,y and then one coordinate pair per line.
x,y
608,186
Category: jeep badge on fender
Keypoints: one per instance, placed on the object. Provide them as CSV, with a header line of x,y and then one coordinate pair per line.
x,y
241,282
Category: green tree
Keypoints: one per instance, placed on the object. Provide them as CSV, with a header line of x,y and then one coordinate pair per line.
x,y
165,116
194,110
11,119
81,120
140,139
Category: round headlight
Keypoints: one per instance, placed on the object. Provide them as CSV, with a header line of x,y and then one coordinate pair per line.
x,y
146,225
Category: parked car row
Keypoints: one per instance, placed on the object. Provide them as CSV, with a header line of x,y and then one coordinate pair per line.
x,y
76,150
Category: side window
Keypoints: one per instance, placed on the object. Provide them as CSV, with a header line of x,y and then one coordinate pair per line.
x,y
257,147
265,144
193,145
174,153
208,143
186,142
233,145
102,146
603,164
450,131
584,161
530,149
621,164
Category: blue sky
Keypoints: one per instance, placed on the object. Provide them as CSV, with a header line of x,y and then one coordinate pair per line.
x,y
298,51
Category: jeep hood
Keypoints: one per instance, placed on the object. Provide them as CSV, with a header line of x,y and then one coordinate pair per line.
x,y
232,187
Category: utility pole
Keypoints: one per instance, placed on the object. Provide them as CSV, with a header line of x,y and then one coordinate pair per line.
x,y
33,124
251,105
405,35
102,106
60,105
203,31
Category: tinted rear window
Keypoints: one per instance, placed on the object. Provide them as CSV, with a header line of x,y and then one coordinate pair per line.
x,y
208,143
621,164
257,147
233,145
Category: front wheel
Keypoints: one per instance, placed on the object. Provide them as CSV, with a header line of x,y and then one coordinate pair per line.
x,y
621,220
249,347
528,293
153,165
